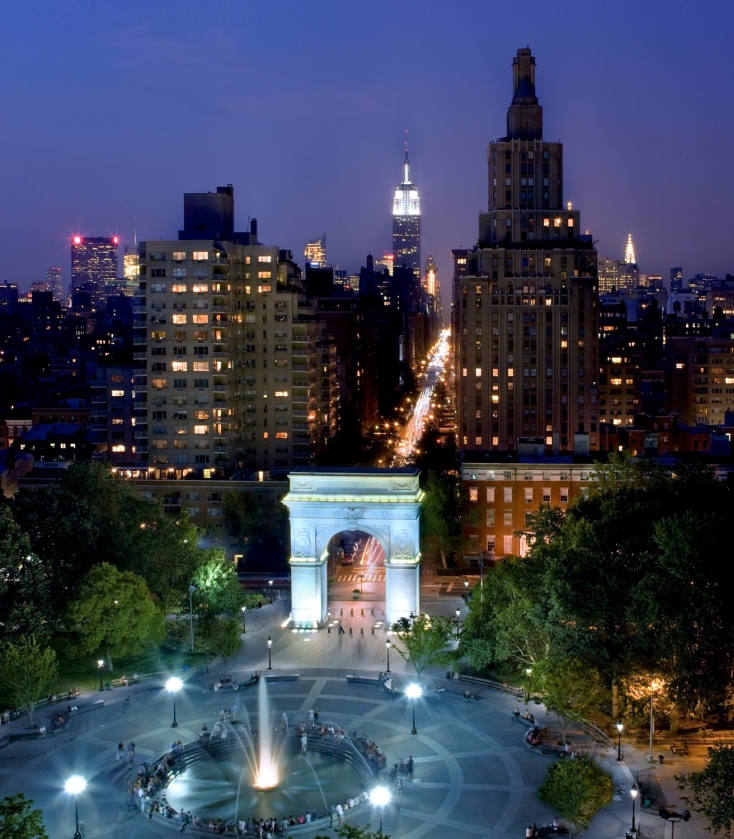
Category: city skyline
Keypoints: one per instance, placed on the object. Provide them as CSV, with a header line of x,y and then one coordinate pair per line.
x,y
625,121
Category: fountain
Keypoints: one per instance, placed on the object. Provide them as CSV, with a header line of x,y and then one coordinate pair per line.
x,y
265,774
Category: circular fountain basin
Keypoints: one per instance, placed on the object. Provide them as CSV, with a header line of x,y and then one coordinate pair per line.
x,y
208,788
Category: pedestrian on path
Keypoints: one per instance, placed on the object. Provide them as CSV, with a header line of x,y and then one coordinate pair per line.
x,y
341,629
340,813
42,731
316,715
120,751
410,766
304,743
311,719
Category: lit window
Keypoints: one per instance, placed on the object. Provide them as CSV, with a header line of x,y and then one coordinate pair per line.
x,y
158,384
264,289
265,435
556,222
199,318
200,256
265,259
178,319
201,429
118,447
200,288
118,393
281,435
178,288
473,494
546,222
201,366
264,275
464,371
179,256
680,366
282,393
570,222
477,441
615,381
179,366
461,261
490,495
478,371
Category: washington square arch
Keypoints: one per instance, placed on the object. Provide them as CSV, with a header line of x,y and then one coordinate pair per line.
x,y
384,503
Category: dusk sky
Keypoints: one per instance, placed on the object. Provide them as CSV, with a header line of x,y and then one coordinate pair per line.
x,y
110,111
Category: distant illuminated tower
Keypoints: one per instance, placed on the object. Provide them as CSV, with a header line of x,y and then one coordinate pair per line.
x,y
93,265
406,223
629,251
430,277
315,252
53,281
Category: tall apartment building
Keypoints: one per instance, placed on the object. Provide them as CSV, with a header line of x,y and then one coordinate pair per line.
x,y
525,298
231,350
55,283
93,266
699,378
406,224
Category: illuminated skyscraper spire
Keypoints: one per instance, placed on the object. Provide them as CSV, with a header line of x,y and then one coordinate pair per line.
x,y
406,221
629,251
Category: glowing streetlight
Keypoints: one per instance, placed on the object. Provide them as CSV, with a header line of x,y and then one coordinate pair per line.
x,y
620,726
633,793
380,798
388,644
100,665
173,686
75,785
244,628
414,691
270,583
270,647
458,614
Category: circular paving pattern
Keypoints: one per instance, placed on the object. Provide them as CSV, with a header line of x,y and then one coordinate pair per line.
x,y
476,776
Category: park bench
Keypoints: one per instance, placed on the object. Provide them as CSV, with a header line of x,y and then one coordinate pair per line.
x,y
364,680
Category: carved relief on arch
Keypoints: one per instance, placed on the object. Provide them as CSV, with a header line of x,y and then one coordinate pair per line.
x,y
403,546
303,542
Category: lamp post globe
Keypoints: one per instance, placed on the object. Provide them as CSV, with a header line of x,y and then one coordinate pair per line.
x,y
173,686
244,611
270,647
75,785
458,615
100,665
270,583
620,726
388,644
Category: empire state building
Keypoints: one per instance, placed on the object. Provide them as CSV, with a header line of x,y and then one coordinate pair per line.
x,y
406,223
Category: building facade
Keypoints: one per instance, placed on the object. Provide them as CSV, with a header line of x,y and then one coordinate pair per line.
x,y
525,298
55,283
699,377
230,350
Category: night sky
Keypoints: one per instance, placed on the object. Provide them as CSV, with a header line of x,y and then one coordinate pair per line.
x,y
110,111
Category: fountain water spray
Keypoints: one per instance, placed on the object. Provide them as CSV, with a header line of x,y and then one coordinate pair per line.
x,y
266,776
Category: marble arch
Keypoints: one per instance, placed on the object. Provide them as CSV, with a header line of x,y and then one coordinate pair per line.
x,y
384,503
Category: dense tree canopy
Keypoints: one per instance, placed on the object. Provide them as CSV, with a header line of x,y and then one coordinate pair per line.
x,y
634,579
19,820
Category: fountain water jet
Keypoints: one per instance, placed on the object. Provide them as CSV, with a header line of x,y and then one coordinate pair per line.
x,y
266,776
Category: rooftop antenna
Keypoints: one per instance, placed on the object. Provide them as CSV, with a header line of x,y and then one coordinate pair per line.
x,y
135,231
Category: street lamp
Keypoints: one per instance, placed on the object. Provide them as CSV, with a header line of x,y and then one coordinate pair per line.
x,y
650,758
270,647
174,685
192,589
620,726
380,797
361,577
75,785
414,691
458,613
633,793
388,645
528,673
244,628
100,665
270,583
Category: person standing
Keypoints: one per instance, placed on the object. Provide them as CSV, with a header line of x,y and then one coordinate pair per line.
x,y
340,810
304,743
411,764
316,715
311,719
42,731
120,751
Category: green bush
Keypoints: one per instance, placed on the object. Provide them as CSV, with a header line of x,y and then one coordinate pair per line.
x,y
576,789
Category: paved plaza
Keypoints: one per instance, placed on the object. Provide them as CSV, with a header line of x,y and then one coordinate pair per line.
x,y
474,775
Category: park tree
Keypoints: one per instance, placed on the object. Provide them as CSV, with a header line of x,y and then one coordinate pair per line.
x,y
507,620
27,672
25,602
222,638
19,820
113,614
709,790
218,591
569,689
576,789
445,511
426,642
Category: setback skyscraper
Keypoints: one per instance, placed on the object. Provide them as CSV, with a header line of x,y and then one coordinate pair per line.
x,y
406,223
525,298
